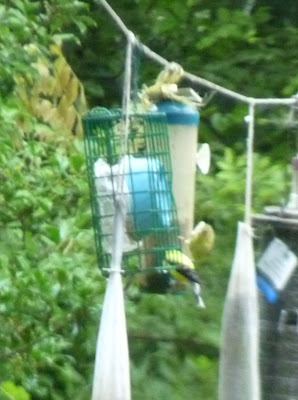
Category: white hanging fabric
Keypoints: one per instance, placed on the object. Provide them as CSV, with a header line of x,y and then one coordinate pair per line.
x,y
239,375
111,379
239,363
111,372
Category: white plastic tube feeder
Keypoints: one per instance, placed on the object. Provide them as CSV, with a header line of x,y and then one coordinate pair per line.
x,y
183,122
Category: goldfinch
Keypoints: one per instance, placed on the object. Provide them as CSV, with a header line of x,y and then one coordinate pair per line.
x,y
201,241
184,270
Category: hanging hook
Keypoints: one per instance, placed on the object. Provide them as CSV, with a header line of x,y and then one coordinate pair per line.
x,y
131,38
292,122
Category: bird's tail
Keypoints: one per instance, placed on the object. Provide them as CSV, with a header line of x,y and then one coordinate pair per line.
x,y
197,293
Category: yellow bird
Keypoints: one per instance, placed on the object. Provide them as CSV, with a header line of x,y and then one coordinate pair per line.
x,y
201,241
164,87
184,270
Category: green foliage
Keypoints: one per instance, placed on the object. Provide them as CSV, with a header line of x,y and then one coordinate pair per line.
x,y
8,390
26,22
227,186
166,350
48,263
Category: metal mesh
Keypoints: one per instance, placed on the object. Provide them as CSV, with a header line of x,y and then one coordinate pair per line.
x,y
279,328
151,217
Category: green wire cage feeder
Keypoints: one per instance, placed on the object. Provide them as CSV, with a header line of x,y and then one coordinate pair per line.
x,y
151,226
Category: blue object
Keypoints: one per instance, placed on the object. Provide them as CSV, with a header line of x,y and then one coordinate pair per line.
x,y
151,199
178,113
269,292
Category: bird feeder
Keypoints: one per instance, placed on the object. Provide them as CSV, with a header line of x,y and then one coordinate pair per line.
x,y
151,226
183,122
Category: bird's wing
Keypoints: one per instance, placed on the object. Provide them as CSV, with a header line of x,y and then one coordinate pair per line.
x,y
188,273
